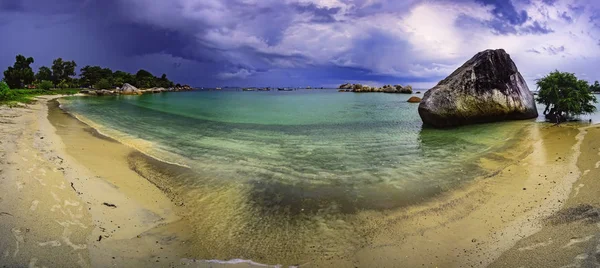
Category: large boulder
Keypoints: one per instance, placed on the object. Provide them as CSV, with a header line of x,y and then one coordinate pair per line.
x,y
128,89
487,88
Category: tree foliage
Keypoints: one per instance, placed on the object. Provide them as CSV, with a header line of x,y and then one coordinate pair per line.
x,y
62,71
91,76
20,74
595,87
103,84
565,96
44,74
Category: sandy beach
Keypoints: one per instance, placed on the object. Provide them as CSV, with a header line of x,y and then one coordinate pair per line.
x,y
91,215
69,191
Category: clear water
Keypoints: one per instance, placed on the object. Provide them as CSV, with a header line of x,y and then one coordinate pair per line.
x,y
281,177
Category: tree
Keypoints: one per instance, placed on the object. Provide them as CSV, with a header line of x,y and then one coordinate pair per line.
x,y
45,84
63,84
44,73
565,96
144,79
21,73
103,84
595,87
63,70
163,81
90,75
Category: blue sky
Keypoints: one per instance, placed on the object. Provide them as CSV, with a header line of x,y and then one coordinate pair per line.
x,y
303,42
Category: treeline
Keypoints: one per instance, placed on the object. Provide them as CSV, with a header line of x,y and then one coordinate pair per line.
x,y
595,87
62,75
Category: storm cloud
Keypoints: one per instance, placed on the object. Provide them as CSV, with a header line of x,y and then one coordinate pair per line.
x,y
303,42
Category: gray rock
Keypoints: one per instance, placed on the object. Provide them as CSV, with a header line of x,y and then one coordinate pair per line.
x,y
128,89
487,88
346,86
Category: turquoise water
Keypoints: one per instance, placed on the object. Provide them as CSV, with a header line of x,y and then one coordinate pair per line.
x,y
282,165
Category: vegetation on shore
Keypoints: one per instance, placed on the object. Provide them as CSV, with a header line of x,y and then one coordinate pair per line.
x,y
13,96
595,87
565,96
62,74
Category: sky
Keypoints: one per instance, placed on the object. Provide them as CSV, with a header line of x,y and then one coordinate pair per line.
x,y
217,43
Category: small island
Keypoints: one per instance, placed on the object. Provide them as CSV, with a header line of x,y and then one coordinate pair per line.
x,y
358,88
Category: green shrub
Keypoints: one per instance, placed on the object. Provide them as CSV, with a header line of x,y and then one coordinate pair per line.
x,y
45,85
5,92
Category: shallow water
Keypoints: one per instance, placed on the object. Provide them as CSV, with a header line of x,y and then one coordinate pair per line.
x,y
281,177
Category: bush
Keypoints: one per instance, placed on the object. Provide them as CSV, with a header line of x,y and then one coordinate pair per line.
x,y
5,92
45,85
103,84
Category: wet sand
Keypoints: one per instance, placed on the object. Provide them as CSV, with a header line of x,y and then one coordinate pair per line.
x,y
43,215
571,237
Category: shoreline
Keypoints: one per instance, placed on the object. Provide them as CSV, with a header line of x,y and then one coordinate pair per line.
x,y
451,211
100,134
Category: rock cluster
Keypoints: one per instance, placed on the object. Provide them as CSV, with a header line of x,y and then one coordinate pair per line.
x,y
487,88
128,89
385,89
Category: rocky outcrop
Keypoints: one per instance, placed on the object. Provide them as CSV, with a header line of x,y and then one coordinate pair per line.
x,y
183,88
128,89
358,88
414,99
346,86
487,88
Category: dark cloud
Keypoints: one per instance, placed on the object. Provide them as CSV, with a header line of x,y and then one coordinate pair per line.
x,y
211,42
318,14
537,28
566,17
552,50
506,11
11,5
549,2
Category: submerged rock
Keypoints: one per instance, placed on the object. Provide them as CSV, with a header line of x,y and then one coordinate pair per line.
x,y
487,88
414,99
